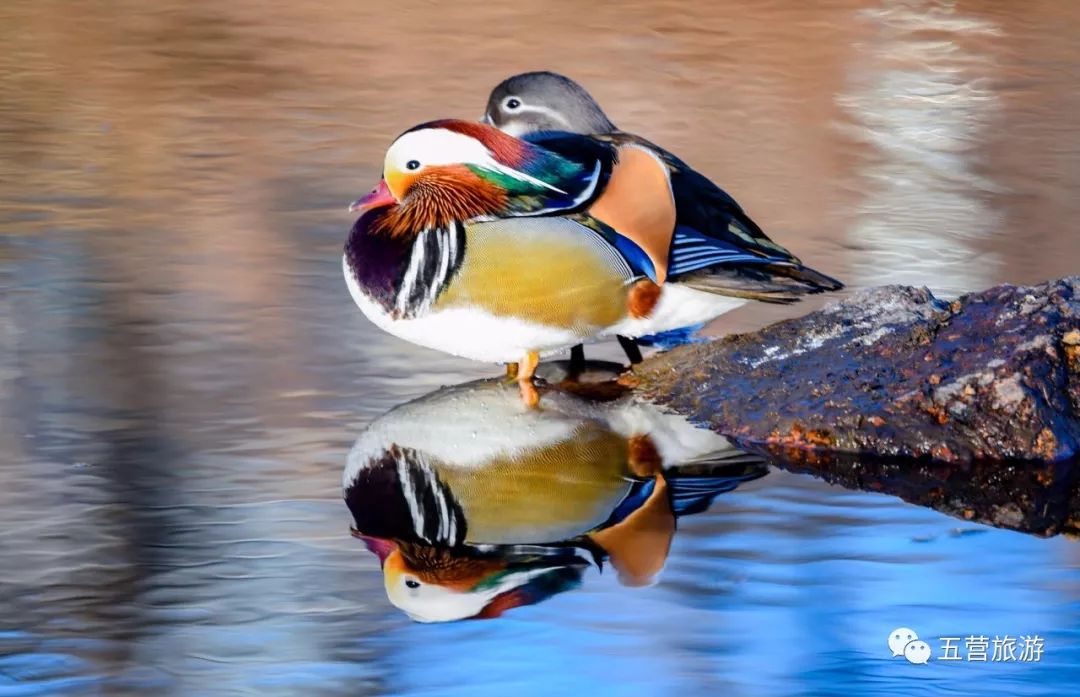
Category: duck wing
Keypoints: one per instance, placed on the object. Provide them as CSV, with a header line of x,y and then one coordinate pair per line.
x,y
563,173
636,198
717,247
670,222
705,207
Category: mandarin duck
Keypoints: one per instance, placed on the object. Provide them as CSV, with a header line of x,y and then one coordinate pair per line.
x,y
475,504
500,249
543,101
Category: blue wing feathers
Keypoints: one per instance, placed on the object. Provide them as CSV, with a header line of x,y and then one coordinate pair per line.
x,y
673,337
692,250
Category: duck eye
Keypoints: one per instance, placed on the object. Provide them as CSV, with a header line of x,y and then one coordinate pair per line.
x,y
412,164
513,103
411,583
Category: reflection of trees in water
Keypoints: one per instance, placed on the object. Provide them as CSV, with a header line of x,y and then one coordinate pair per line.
x,y
90,473
126,146
156,513
919,99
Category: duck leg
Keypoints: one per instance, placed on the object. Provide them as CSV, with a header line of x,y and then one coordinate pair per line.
x,y
631,348
511,371
526,369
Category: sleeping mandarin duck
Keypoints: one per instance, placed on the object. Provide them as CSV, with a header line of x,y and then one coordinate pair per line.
x,y
544,101
500,249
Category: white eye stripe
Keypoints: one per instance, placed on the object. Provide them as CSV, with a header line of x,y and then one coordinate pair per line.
x,y
546,111
520,176
433,147
438,146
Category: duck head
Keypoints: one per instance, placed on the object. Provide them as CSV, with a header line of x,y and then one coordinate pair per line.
x,y
448,171
544,101
435,583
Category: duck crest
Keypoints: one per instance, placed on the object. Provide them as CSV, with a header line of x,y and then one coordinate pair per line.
x,y
503,146
404,275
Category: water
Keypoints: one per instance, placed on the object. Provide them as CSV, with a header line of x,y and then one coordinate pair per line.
x,y
182,373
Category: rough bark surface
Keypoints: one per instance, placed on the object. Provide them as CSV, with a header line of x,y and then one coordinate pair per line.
x,y
894,372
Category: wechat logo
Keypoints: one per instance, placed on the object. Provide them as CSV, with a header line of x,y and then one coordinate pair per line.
x,y
905,642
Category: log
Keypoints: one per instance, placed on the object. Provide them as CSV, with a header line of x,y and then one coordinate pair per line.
x,y
893,372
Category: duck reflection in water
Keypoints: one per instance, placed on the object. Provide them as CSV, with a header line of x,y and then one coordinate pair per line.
x,y
476,504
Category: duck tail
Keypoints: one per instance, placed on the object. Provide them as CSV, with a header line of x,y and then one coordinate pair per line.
x,y
815,281
780,283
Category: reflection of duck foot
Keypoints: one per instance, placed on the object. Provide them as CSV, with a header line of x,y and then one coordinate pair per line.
x,y
591,380
525,370
529,393
593,391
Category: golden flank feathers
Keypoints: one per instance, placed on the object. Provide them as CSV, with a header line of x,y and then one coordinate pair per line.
x,y
519,268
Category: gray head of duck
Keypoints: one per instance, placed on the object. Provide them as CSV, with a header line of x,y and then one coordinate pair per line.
x,y
544,101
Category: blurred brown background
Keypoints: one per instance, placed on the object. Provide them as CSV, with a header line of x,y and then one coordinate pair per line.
x,y
907,141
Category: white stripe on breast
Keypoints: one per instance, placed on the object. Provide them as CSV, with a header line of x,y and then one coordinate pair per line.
x,y
408,491
412,273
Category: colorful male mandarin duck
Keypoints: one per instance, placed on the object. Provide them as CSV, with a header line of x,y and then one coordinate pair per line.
x,y
707,219
498,249
476,504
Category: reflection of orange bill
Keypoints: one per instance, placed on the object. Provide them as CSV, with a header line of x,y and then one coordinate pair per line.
x,y
376,545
